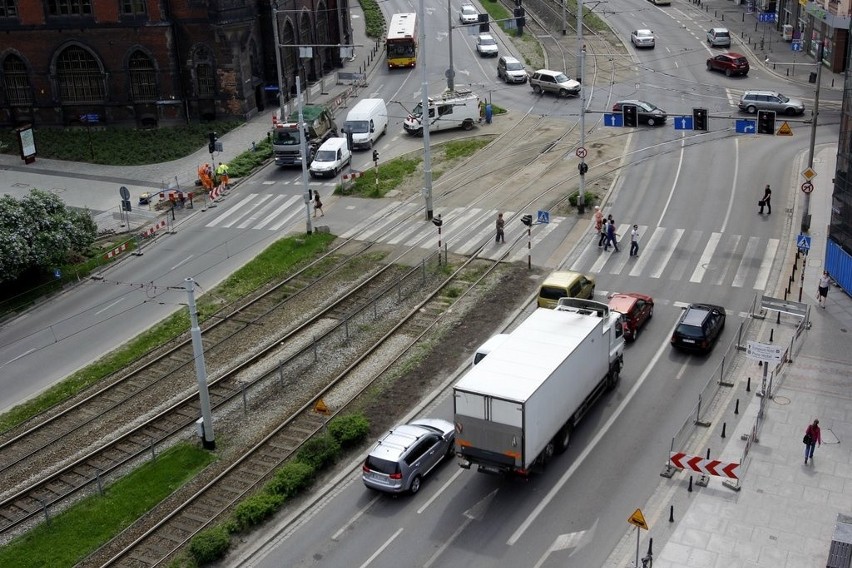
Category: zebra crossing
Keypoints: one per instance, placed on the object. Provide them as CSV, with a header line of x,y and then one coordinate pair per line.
x,y
666,253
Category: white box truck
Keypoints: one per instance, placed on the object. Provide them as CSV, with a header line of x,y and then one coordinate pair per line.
x,y
517,407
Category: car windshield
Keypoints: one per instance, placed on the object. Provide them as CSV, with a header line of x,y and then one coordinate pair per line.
x,y
561,78
516,66
782,98
326,156
468,10
357,126
487,41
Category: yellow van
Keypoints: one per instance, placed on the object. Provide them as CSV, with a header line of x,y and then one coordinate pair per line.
x,y
565,283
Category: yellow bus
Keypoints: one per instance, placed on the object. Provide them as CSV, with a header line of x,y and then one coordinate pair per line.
x,y
402,41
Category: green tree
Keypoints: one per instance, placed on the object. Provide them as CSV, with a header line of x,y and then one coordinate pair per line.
x,y
39,232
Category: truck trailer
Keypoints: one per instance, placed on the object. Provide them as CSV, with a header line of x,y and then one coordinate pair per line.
x,y
518,406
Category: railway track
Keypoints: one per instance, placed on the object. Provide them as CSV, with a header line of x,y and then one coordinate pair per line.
x,y
211,503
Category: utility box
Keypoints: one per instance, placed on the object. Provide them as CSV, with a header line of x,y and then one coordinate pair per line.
x,y
787,32
840,553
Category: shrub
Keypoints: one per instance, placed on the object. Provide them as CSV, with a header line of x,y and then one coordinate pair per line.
x,y
255,510
250,160
319,452
210,545
349,430
590,198
291,478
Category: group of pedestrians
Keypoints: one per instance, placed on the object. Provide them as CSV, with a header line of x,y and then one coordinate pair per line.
x,y
607,235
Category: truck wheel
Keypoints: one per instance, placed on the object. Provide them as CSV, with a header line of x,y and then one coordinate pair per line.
x,y
612,379
563,438
415,485
418,132
467,124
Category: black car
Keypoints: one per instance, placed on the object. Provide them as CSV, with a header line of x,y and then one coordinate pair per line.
x,y
647,113
699,327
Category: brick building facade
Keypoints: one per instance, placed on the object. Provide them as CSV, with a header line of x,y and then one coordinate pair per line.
x,y
153,62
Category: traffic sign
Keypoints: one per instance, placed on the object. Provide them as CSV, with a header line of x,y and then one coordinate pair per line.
x,y
543,217
613,119
796,45
809,174
124,192
683,123
803,242
638,519
807,187
581,152
785,129
769,352
745,126
766,17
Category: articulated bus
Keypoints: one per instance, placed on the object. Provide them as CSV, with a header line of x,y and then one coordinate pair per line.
x,y
402,41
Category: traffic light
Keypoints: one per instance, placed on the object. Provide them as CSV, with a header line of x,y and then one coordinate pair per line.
x,y
631,115
483,24
375,155
699,119
766,122
212,142
583,167
520,17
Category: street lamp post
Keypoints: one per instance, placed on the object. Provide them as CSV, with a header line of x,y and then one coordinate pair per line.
x,y
451,73
424,116
581,195
274,7
806,206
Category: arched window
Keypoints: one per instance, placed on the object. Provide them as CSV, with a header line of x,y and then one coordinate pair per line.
x,y
289,55
16,81
205,79
143,77
79,76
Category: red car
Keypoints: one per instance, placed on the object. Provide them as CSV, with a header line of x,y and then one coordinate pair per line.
x,y
729,64
636,308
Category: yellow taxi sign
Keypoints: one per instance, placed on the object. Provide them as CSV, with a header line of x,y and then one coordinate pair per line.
x,y
638,519
785,130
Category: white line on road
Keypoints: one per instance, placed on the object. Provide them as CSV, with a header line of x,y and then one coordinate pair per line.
x,y
592,445
354,518
184,261
99,312
437,494
381,548
24,354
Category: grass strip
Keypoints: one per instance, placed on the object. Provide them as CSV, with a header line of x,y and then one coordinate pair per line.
x,y
88,525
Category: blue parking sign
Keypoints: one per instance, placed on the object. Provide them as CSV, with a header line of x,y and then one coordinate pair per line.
x,y
613,119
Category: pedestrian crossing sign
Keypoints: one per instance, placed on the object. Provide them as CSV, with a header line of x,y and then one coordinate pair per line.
x,y
543,217
803,242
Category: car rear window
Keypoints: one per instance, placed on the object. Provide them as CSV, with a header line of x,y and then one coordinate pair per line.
x,y
552,292
382,466
722,34
689,331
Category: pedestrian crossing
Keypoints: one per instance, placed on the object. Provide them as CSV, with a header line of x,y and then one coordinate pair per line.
x,y
665,253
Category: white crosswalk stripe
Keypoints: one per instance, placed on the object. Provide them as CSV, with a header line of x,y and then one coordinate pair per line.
x,y
666,253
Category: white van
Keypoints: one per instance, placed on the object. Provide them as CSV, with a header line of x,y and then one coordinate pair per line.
x,y
366,121
493,343
331,157
455,109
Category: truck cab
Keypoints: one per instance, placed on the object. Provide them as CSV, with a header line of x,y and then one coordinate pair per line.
x,y
455,109
286,136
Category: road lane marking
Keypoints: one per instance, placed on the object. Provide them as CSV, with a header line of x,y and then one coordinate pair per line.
x,y
184,261
381,548
99,312
437,494
706,257
354,518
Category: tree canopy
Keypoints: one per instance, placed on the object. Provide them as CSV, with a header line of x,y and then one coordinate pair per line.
x,y
40,232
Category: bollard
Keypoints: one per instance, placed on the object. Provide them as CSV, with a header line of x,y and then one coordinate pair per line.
x,y
671,514
772,331
708,453
689,489
724,424
748,385
786,293
778,320
737,407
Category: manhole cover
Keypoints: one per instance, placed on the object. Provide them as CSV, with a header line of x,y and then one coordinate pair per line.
x,y
782,400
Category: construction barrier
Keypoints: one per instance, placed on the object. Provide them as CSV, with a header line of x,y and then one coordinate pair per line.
x,y
116,251
704,466
151,230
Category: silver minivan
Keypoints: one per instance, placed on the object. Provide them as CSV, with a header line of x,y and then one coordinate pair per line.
x,y
511,70
719,37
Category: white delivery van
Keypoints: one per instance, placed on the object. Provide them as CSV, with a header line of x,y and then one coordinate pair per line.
x,y
331,157
366,122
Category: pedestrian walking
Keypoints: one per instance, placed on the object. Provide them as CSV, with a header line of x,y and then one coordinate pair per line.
x,y
500,238
598,217
824,282
766,201
602,239
811,439
634,241
611,236
318,205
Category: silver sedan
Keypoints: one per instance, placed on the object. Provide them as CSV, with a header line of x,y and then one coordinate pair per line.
x,y
643,38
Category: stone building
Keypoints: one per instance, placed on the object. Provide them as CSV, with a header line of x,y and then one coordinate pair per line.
x,y
153,62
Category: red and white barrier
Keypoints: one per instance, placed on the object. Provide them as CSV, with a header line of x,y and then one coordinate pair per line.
x,y
151,230
353,175
116,251
217,192
705,466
